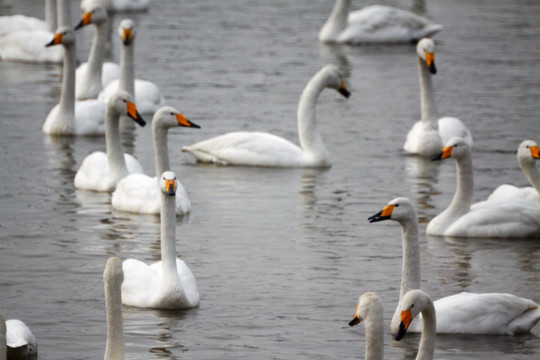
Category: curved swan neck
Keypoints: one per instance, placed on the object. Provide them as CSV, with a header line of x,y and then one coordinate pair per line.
x,y
336,22
50,15
114,349
64,13
3,343
410,272
126,80
97,53
426,349
168,234
531,173
310,139
115,153
430,115
161,151
374,337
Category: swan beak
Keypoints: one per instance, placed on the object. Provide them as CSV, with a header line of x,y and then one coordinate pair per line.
x,y
535,151
384,214
170,187
182,121
343,89
355,321
85,20
57,39
430,62
126,36
406,318
134,114
446,153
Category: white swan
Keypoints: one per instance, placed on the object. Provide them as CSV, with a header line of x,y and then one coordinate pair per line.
x,y
123,5
264,149
70,117
527,155
113,276
94,75
140,193
17,22
169,283
506,218
489,313
428,135
374,24
101,171
18,341
147,95
370,311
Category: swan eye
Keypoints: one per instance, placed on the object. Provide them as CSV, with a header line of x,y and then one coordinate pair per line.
x,y
396,205
172,114
412,305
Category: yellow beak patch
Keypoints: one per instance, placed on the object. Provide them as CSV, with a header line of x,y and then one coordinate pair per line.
x,y
430,57
535,151
387,210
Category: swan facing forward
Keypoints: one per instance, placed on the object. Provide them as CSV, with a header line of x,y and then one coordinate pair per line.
x,y
503,218
264,149
427,136
101,171
489,313
140,193
169,283
374,24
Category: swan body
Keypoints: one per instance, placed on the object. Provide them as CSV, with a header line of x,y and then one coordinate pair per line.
x,y
264,149
147,95
506,218
370,311
101,171
70,117
123,5
374,24
527,155
21,343
428,135
94,75
489,313
140,193
169,283
113,276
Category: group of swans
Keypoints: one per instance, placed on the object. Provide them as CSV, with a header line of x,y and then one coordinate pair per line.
x,y
16,340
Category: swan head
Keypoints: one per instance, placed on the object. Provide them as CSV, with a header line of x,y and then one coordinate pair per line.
x,y
426,51
335,80
122,103
126,30
169,117
63,35
168,183
369,306
528,152
456,148
94,14
412,304
113,273
399,209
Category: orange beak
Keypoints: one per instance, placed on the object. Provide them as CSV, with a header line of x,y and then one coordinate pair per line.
x,y
57,39
126,36
535,151
170,187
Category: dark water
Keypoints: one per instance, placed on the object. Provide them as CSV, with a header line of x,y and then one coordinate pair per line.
x,y
280,255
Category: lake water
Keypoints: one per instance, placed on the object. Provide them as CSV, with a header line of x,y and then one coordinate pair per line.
x,y
280,255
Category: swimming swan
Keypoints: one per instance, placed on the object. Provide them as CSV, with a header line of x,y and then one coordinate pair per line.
x,y
169,283
139,193
113,276
17,22
101,171
506,218
123,5
370,311
488,313
147,95
70,117
374,24
527,155
92,76
264,149
427,136
16,341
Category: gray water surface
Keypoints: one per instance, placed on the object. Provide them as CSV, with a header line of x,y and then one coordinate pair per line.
x,y
280,255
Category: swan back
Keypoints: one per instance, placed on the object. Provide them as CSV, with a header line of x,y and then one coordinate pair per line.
x,y
113,276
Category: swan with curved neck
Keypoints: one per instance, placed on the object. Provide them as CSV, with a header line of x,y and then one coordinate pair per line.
x,y
428,135
113,276
169,283
503,218
147,94
101,171
489,313
140,193
70,117
264,149
94,75
527,155
374,24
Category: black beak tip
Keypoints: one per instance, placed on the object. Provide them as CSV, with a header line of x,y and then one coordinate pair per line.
x,y
438,157
78,26
126,42
51,43
345,92
193,125
401,332
432,68
171,192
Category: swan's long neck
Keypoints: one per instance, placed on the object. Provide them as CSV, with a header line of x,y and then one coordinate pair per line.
x,y
426,349
336,22
161,151
64,13
430,115
126,81
410,272
115,153
50,15
67,94
531,173
3,344
168,238
114,350
97,55
462,200
374,336
310,139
